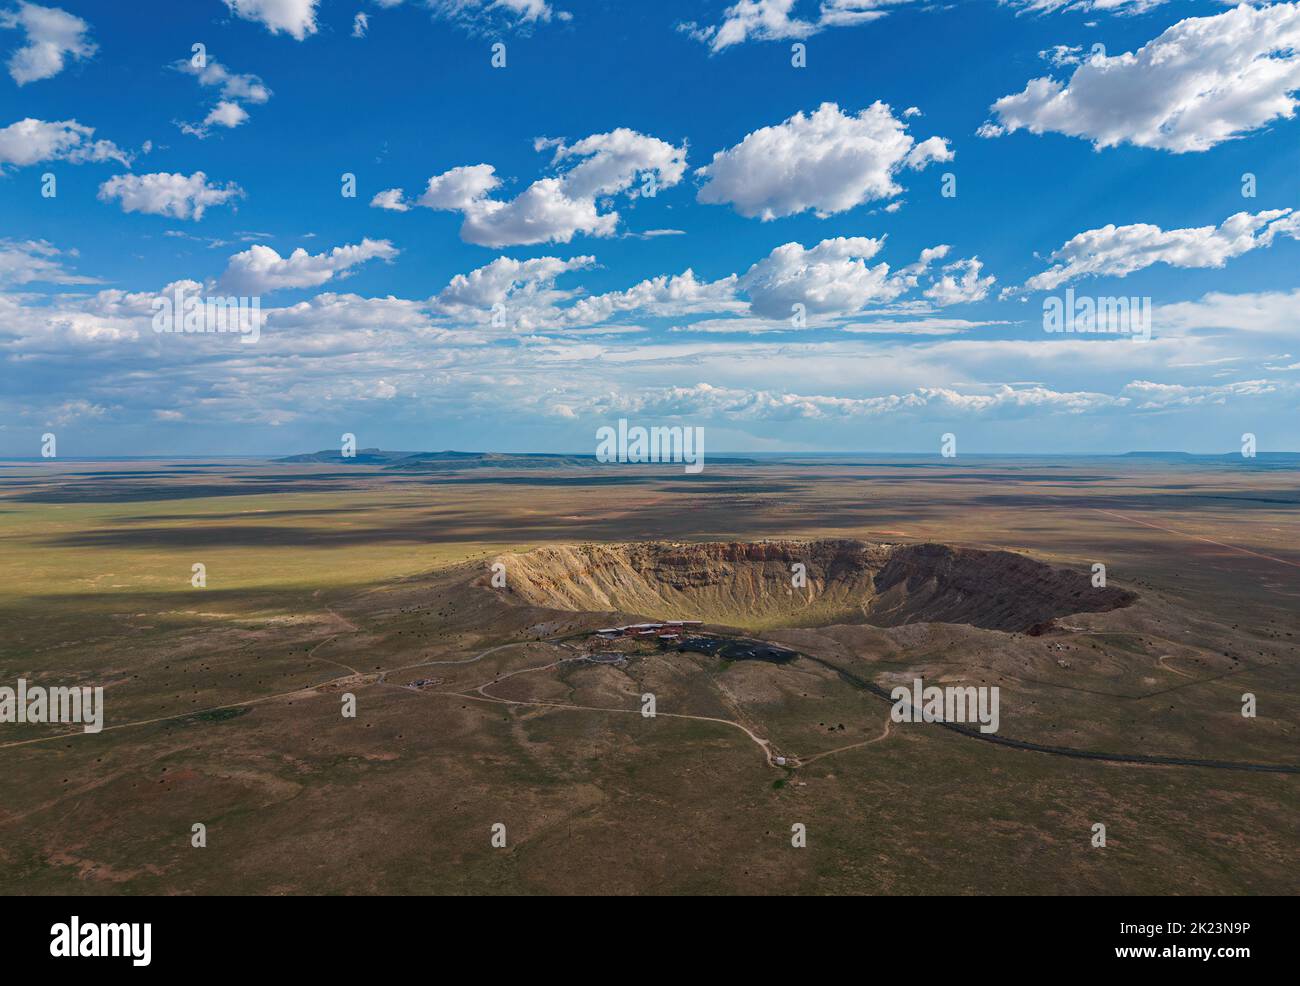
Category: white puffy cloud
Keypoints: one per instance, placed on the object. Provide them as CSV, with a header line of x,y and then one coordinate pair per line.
x,y
164,194
390,199
1116,251
260,269
236,89
234,85
53,35
350,350
32,141
524,283
827,162
297,18
522,295
834,279
663,296
776,20
1201,82
360,25
459,188
224,114
551,210
831,278
960,282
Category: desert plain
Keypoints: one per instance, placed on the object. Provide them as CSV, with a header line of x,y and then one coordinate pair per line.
x,y
496,747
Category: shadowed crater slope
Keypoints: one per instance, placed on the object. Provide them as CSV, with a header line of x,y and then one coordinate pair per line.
x,y
751,584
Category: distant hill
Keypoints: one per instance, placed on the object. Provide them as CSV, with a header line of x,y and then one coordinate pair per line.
x,y
1213,457
438,461
450,460
365,456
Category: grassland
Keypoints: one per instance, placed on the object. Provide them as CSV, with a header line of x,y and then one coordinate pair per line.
x,y
223,703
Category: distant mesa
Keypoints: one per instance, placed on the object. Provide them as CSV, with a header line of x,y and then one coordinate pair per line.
x,y
749,584
1258,458
451,460
435,461
432,461
365,456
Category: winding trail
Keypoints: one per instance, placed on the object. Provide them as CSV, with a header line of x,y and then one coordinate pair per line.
x,y
763,744
790,761
889,722
1062,751
371,677
1160,662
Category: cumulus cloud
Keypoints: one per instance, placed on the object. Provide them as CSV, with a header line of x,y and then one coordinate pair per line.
x,y
33,141
831,278
390,199
524,283
1116,251
236,89
349,349
360,25
163,194
1203,81
242,86
521,296
960,282
551,210
826,162
260,269
225,114
664,296
297,18
53,36
776,20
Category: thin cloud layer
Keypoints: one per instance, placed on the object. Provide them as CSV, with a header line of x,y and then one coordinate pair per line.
x,y
779,20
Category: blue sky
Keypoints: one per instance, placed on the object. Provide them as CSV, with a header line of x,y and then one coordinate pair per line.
x,y
501,280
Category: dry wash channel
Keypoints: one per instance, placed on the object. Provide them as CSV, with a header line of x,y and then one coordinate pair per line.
x,y
752,584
